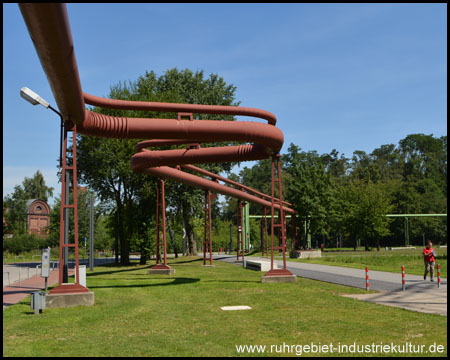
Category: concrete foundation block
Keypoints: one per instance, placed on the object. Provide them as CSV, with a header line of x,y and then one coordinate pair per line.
x,y
207,265
160,271
305,254
69,300
258,265
279,279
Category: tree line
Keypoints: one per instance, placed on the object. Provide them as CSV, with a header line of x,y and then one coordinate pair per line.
x,y
337,199
345,200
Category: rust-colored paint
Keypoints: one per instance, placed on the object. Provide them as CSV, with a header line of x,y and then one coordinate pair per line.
x,y
231,182
48,25
179,108
49,29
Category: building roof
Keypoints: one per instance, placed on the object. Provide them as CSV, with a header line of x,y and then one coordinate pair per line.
x,y
29,202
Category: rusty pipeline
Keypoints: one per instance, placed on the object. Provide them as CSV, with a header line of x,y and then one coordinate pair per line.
x,y
49,28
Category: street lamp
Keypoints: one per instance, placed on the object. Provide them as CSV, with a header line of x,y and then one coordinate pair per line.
x,y
35,99
32,97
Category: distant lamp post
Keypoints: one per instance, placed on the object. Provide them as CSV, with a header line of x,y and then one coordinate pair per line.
x,y
35,99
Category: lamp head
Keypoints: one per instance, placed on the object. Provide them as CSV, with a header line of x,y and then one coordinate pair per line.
x,y
32,97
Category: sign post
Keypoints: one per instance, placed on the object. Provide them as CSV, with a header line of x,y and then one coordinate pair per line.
x,y
91,235
45,265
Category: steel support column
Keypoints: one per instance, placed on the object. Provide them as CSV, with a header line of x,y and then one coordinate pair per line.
x,y
76,287
161,206
265,250
281,225
406,232
158,190
240,230
207,227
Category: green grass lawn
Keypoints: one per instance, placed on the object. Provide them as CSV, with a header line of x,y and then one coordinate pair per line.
x,y
156,315
391,261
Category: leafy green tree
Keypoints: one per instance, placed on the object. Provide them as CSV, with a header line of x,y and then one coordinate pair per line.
x,y
365,211
102,233
104,163
363,167
310,189
425,157
31,188
83,196
336,166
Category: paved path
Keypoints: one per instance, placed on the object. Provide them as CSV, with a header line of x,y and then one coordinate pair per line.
x,y
15,293
21,286
420,295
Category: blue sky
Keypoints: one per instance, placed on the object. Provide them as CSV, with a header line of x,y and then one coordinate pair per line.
x,y
337,76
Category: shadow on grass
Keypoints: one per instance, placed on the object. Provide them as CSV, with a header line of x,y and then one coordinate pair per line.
x,y
116,271
183,262
255,251
175,281
234,281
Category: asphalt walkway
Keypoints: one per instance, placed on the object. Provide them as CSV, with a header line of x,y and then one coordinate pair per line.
x,y
21,279
420,295
14,293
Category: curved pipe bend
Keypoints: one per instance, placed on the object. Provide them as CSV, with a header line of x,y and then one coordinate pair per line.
x,y
268,140
176,108
49,28
96,124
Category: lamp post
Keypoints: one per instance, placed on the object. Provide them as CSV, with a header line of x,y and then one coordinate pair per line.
x,y
35,99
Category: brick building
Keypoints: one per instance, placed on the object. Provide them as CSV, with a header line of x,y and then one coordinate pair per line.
x,y
38,217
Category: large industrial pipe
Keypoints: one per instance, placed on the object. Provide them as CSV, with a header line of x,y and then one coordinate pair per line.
x,y
220,154
49,29
231,182
207,130
177,108
205,184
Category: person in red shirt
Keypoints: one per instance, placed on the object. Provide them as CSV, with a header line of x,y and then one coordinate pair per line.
x,y
428,257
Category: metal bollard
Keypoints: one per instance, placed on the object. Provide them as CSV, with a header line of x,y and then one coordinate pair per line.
x,y
439,275
367,278
403,277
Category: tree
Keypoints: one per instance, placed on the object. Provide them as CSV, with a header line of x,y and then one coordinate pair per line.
x,y
365,211
104,163
336,166
310,189
31,188
83,197
102,234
